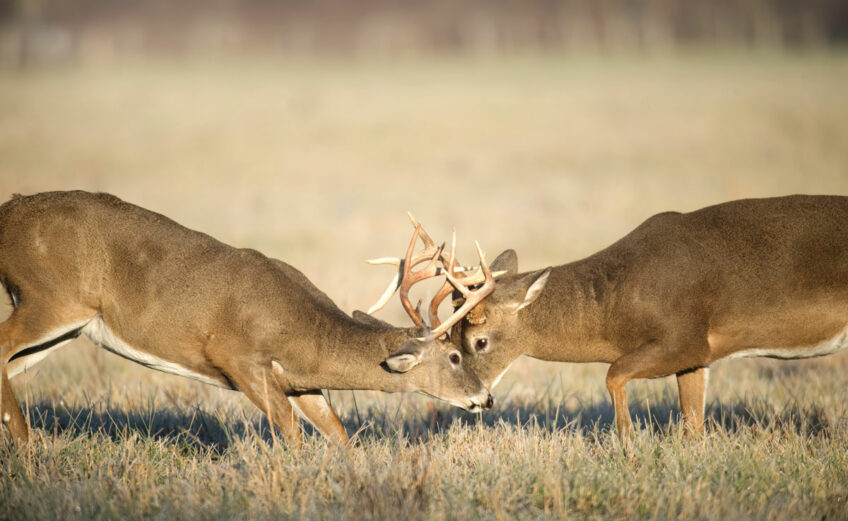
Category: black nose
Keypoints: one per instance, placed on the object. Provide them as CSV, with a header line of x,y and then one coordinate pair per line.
x,y
489,402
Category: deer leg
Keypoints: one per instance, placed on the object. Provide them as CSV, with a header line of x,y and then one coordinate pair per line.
x,y
22,330
10,411
692,387
261,388
618,395
314,407
256,381
649,361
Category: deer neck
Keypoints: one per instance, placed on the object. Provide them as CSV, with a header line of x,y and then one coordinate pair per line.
x,y
568,321
350,355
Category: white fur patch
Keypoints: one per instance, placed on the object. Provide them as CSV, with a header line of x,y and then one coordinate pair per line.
x,y
498,379
39,244
19,365
102,336
7,417
826,347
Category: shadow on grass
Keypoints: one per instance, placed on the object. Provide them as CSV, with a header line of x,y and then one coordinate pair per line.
x,y
588,419
194,429
201,430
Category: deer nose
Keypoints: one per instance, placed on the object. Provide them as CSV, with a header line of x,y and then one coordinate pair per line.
x,y
489,402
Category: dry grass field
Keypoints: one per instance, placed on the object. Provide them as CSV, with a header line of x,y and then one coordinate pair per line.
x,y
316,163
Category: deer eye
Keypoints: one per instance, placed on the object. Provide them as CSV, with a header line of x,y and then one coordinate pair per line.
x,y
455,358
481,344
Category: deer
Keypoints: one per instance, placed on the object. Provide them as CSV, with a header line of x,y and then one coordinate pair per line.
x,y
747,278
177,300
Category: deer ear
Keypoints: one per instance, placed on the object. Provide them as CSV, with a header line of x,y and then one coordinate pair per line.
x,y
506,261
407,356
535,283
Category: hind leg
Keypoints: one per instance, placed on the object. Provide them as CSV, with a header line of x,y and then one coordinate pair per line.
x,y
23,329
10,411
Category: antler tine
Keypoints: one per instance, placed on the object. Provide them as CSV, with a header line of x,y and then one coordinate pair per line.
x,y
481,273
472,297
409,249
405,278
447,287
477,277
402,264
452,257
409,278
485,267
458,285
425,237
444,291
394,261
387,295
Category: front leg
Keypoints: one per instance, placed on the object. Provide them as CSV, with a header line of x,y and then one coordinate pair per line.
x,y
312,406
260,386
649,361
262,389
692,387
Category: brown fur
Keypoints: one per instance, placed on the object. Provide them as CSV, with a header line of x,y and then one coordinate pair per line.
x,y
676,294
232,316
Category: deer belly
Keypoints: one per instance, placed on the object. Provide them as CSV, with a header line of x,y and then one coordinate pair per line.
x,y
97,331
825,347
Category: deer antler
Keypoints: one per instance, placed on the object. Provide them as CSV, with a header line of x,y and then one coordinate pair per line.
x,y
469,277
472,297
402,264
405,278
446,289
408,277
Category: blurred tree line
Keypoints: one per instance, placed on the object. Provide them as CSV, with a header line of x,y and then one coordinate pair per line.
x,y
67,30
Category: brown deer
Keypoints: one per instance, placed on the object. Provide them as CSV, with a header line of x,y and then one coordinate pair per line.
x,y
756,277
173,299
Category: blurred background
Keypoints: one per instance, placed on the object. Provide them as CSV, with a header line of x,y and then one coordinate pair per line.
x,y
72,30
307,129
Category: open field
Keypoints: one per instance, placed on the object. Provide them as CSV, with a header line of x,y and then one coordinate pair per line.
x,y
316,163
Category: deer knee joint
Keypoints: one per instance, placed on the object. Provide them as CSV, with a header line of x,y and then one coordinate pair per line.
x,y
615,381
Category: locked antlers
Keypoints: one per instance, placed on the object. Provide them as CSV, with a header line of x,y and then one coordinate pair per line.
x,y
405,277
458,278
472,296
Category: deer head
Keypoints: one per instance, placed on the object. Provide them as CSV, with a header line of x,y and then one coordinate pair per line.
x,y
491,333
433,349
485,322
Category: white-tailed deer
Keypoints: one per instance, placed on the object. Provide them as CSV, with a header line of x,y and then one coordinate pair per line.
x,y
176,300
756,277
